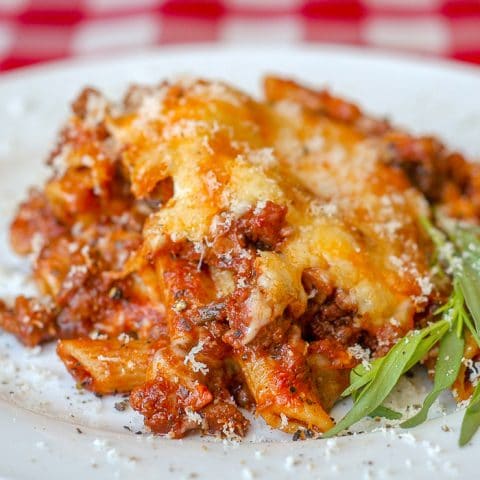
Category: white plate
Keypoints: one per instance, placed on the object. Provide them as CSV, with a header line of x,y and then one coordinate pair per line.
x,y
40,418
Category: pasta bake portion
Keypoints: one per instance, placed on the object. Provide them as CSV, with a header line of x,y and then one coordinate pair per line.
x,y
208,253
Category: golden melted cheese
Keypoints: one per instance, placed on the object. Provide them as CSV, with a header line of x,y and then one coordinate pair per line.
x,y
349,214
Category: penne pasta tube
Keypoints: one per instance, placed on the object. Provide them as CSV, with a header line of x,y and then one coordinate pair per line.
x,y
282,400
330,382
107,366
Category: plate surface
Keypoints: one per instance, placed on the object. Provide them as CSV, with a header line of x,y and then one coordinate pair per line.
x,y
48,429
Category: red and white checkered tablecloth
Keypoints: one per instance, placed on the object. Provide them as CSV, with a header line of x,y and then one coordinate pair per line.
x,y
33,31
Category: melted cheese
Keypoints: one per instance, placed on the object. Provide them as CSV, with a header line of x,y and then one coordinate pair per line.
x,y
349,214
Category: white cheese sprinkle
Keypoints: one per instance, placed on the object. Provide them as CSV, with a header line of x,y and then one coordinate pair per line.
x,y
193,416
283,420
190,359
360,353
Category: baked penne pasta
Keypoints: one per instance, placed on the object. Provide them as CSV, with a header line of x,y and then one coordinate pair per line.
x,y
249,253
282,398
107,366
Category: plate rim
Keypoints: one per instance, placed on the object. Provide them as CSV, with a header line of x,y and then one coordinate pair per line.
x,y
382,54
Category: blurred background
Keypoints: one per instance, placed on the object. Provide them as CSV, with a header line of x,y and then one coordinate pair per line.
x,y
33,31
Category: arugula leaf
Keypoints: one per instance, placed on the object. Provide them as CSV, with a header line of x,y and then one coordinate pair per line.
x,y
446,370
471,419
408,351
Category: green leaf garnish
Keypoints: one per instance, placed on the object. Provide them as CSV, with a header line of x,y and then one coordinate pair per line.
x,y
360,376
471,419
388,369
446,370
386,412
469,275
462,306
458,251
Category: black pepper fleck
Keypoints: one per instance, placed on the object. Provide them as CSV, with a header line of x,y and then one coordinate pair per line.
x,y
121,406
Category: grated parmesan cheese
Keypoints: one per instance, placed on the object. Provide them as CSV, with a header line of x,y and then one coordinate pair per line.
x,y
360,353
426,285
96,107
264,157
228,431
193,416
104,358
317,208
37,245
259,207
211,181
190,359
283,420
124,338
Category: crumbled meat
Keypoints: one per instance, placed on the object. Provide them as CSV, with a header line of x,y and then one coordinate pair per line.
x,y
264,228
29,320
